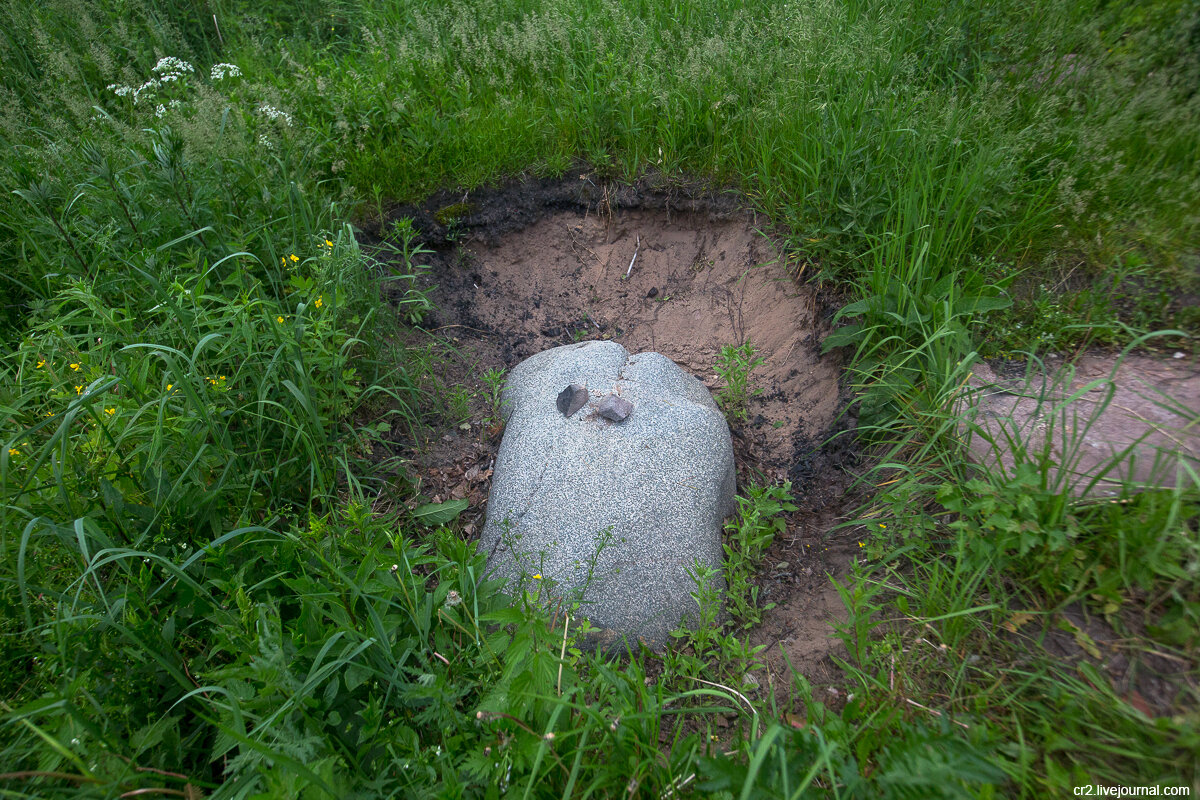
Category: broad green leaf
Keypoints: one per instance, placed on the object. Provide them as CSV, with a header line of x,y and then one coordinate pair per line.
x,y
434,514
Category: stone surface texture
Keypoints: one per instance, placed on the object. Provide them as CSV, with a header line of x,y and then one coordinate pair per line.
x,y
1108,422
661,481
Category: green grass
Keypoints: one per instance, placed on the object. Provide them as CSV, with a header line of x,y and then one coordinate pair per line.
x,y
203,591
970,569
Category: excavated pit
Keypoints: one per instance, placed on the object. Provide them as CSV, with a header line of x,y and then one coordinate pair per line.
x,y
696,285
538,264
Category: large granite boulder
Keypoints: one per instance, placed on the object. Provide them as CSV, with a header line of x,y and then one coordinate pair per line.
x,y
654,481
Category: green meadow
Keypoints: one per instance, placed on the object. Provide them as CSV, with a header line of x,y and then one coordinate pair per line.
x,y
212,587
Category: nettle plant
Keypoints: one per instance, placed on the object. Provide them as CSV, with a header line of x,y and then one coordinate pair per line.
x,y
733,367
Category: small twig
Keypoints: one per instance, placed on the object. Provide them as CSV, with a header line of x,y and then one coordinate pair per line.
x,y
941,648
441,657
37,773
936,713
635,254
128,760
188,672
172,792
677,784
485,715
563,652
220,38
468,327
749,705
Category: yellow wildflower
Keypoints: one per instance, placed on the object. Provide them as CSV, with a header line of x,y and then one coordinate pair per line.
x,y
110,411
538,576
328,243
279,320
12,451
319,302
881,525
41,363
860,544
75,367
294,257
170,386
283,261
78,390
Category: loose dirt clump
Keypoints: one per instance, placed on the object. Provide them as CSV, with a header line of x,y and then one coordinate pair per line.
x,y
542,263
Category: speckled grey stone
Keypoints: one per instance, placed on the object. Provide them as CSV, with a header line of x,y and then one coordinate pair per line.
x,y
661,482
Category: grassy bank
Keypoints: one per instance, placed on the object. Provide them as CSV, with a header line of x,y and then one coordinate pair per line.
x,y
211,586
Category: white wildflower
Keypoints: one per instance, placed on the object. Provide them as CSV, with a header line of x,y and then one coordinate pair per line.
x,y
173,66
119,90
264,141
273,113
222,71
148,86
160,111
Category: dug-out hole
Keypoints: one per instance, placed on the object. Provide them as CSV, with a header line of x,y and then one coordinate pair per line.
x,y
512,281
538,264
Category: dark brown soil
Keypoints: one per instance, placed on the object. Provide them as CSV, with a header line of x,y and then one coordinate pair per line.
x,y
538,264
1155,683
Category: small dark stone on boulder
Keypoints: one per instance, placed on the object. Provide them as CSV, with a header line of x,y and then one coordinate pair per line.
x,y
571,399
614,408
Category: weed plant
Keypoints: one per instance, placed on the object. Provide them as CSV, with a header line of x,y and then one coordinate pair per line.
x,y
733,367
493,387
759,520
727,598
